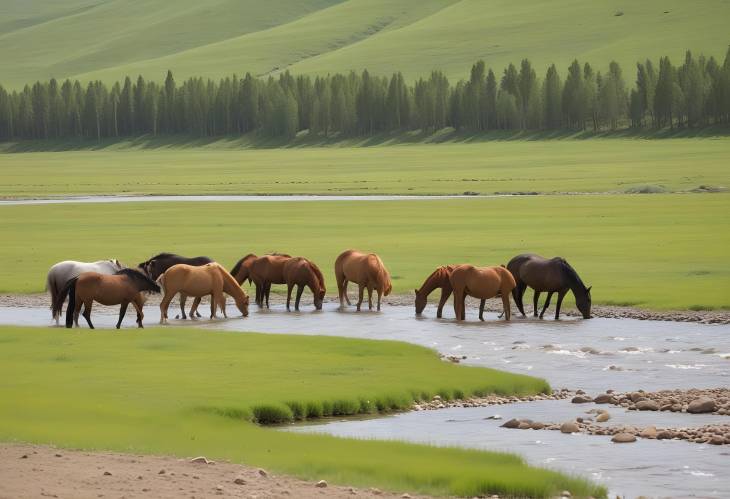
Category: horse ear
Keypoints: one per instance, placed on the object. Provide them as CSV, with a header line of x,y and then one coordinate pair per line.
x,y
415,291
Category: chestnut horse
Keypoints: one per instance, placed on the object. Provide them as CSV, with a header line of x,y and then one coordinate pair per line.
x,y
265,271
158,264
302,272
122,288
551,275
439,278
482,283
210,279
367,270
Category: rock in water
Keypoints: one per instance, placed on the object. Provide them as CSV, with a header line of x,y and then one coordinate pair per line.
x,y
702,405
581,399
623,438
512,423
647,405
648,432
603,417
569,427
603,398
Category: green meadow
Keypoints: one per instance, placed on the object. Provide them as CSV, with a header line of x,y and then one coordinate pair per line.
x,y
664,251
188,392
108,40
239,166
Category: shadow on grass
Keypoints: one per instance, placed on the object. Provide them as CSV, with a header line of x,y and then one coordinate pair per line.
x,y
304,139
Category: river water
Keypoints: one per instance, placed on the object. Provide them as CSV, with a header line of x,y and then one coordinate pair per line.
x,y
593,355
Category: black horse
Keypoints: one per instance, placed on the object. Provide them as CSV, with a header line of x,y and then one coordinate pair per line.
x,y
158,264
553,275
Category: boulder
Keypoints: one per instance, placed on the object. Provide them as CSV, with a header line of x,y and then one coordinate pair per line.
x,y
647,405
581,399
665,435
648,432
603,417
569,427
702,405
623,438
537,425
512,423
603,398
524,425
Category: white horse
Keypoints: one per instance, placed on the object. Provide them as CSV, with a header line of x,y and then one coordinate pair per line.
x,y
62,272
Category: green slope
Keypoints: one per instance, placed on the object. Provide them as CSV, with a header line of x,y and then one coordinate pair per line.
x,y
110,39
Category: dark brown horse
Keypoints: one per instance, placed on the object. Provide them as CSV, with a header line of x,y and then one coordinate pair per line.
x,y
302,272
265,271
242,271
553,275
439,278
158,264
122,288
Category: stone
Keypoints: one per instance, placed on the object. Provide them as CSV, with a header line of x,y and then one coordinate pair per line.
x,y
321,484
648,432
717,440
524,425
603,417
647,405
537,425
239,481
569,427
566,493
200,460
665,435
603,398
161,472
581,399
262,472
512,423
406,496
702,405
623,438
107,473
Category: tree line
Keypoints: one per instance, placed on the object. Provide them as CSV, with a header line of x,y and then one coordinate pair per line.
x,y
694,94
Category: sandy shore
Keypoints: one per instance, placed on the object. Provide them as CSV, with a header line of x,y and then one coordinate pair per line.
x,y
606,311
41,471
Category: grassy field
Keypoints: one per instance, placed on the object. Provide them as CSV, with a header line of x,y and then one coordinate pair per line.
x,y
187,392
662,251
231,167
214,38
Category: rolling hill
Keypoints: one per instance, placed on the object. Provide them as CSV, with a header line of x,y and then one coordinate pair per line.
x,y
107,39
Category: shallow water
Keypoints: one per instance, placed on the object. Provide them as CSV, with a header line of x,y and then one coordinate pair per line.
x,y
571,353
228,198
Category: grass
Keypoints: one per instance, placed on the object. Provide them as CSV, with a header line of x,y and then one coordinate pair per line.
x,y
214,38
239,166
188,392
664,251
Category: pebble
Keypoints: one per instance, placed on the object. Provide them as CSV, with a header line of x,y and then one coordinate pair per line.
x,y
201,460
647,405
569,427
262,472
622,438
603,417
240,481
321,484
107,473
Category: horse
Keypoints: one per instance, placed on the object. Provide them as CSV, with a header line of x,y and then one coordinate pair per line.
x,y
242,271
209,279
302,272
265,271
482,283
122,288
551,275
158,264
439,278
367,270
62,272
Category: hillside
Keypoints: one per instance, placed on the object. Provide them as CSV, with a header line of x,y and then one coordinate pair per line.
x,y
111,38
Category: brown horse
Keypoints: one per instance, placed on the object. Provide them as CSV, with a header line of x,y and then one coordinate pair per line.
x,y
551,275
210,279
439,278
302,272
122,288
367,270
265,271
482,283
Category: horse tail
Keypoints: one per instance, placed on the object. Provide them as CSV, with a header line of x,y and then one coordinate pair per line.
x,y
161,283
70,289
56,304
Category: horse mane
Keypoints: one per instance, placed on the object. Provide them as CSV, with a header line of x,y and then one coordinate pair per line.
x,y
238,264
276,253
385,275
144,282
228,278
317,273
571,274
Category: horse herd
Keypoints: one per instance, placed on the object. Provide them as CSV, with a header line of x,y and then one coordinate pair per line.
x,y
110,283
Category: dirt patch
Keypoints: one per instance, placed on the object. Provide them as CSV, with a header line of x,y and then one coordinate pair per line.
x,y
41,471
605,311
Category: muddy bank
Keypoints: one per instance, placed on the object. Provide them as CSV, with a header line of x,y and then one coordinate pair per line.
x,y
42,471
604,311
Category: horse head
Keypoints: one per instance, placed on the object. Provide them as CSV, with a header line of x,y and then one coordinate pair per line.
x,y
583,302
319,298
242,305
421,301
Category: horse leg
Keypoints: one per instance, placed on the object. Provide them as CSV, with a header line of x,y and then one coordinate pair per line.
x,y
547,303
300,290
183,299
76,311
457,300
380,293
164,304
442,301
87,313
370,297
122,311
561,295
463,306
535,298
361,291
518,293
481,309
506,306
194,309
268,292
221,299
137,303
289,287
347,298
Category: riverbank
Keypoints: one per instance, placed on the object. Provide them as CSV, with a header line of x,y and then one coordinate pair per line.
x,y
40,470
